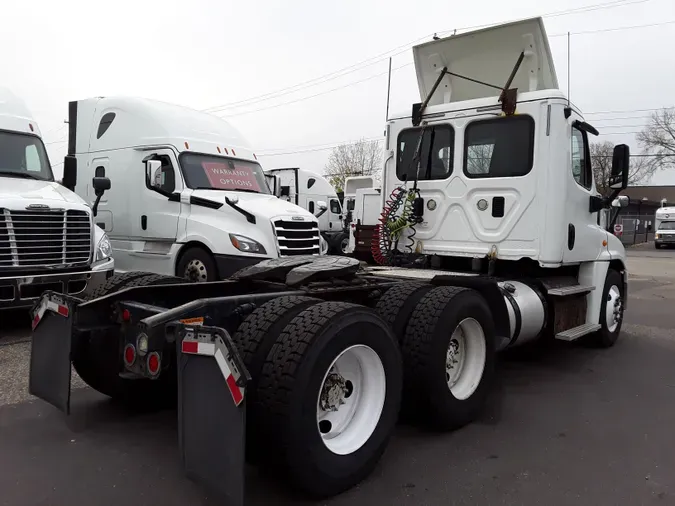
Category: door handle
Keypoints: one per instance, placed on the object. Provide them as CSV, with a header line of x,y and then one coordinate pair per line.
x,y
144,222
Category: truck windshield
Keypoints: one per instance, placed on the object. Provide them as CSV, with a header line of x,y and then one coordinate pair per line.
x,y
24,155
667,225
222,173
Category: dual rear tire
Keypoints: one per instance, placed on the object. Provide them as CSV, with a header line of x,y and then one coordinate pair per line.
x,y
325,391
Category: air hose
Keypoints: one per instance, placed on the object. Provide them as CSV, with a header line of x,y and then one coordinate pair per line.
x,y
392,224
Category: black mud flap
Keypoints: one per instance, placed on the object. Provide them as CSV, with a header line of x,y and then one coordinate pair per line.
x,y
49,380
212,410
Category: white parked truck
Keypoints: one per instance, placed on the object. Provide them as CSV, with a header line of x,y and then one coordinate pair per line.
x,y
312,192
489,205
188,198
664,221
365,217
48,240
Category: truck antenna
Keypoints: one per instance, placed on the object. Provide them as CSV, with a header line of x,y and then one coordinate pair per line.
x,y
388,89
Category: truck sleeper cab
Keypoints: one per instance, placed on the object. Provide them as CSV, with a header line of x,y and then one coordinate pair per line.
x,y
48,240
189,197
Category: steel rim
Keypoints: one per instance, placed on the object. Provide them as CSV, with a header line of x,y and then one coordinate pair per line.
x,y
613,308
351,399
195,271
465,359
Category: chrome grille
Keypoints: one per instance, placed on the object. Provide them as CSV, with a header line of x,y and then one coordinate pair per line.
x,y
44,238
297,237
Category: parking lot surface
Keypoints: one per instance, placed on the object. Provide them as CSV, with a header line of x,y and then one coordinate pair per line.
x,y
567,425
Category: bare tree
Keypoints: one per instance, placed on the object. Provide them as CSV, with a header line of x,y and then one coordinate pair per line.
x,y
641,169
362,158
657,139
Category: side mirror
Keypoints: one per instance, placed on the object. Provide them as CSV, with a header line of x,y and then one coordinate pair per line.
x,y
69,179
100,185
322,208
618,180
153,173
621,201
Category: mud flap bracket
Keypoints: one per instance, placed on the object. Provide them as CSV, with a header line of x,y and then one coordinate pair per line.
x,y
211,409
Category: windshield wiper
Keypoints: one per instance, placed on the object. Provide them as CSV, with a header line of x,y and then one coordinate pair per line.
x,y
20,174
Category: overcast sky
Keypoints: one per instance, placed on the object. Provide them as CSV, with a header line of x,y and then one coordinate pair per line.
x,y
208,53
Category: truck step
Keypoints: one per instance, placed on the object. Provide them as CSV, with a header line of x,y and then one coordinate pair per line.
x,y
564,291
577,332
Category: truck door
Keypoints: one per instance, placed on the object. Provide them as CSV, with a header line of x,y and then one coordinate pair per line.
x,y
155,217
583,236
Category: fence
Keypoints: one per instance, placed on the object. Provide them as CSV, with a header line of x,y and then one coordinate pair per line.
x,y
637,228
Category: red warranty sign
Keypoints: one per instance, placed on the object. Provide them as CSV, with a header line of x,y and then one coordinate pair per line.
x,y
222,177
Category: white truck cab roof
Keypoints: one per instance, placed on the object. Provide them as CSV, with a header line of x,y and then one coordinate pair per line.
x,y
15,115
133,121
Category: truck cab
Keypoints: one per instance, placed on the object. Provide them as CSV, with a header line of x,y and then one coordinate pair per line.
x,y
189,197
312,192
366,214
664,221
48,240
513,186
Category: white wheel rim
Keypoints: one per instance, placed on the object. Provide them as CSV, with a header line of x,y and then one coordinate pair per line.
x,y
351,399
195,270
613,309
465,359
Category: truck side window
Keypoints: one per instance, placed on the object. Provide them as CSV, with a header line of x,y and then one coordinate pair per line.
x,y
436,153
581,162
105,123
167,175
501,147
335,206
311,206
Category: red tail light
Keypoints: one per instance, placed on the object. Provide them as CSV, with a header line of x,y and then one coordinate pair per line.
x,y
153,363
129,355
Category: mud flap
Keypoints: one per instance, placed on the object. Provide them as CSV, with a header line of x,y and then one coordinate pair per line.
x,y
50,370
212,410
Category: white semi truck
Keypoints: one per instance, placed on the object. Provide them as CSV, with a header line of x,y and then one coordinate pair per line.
x,y
302,364
664,221
312,192
365,217
48,240
188,198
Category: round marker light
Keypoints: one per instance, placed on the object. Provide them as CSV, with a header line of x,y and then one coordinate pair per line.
x,y
126,315
482,205
153,363
142,344
431,204
129,355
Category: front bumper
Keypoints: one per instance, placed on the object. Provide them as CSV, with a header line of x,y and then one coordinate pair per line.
x,y
22,291
229,264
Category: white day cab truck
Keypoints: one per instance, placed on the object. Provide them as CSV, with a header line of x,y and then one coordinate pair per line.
x,y
488,239
312,192
365,218
48,240
664,221
188,197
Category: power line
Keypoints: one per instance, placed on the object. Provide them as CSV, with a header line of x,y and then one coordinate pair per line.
x,y
317,94
312,149
353,83
396,51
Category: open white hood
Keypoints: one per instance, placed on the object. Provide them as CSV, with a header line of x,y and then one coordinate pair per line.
x,y
487,55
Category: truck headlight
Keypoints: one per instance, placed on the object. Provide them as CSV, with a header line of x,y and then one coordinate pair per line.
x,y
656,236
246,244
103,248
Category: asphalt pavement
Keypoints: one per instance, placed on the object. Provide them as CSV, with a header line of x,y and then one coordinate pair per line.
x,y
568,425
